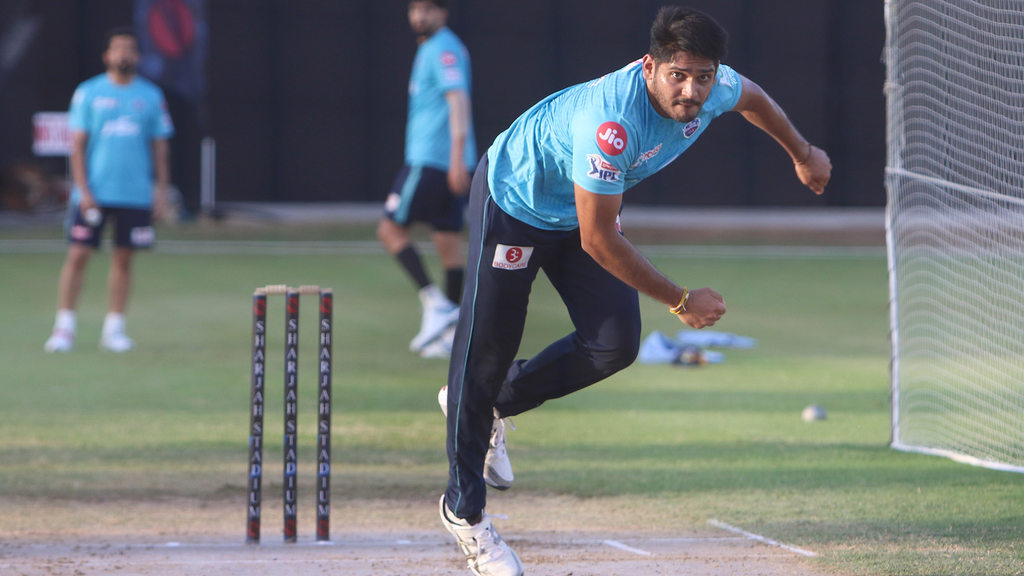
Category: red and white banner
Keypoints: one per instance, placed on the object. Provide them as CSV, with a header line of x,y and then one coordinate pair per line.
x,y
50,134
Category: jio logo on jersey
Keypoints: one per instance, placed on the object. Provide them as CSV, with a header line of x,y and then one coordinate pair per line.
x,y
611,138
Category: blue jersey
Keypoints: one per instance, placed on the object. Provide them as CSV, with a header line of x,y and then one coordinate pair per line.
x,y
441,65
121,122
603,135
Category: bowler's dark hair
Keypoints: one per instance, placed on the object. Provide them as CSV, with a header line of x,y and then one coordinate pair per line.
x,y
682,29
442,4
121,31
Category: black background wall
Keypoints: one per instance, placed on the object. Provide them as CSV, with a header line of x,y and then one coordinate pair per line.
x,y
307,98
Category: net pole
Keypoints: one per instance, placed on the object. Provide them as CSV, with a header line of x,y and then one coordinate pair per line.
x,y
892,156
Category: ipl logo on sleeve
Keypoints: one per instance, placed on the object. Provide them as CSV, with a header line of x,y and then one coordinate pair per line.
x,y
511,257
600,169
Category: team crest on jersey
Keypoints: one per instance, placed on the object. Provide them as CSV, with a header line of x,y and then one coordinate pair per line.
x,y
511,257
611,138
691,128
448,58
600,169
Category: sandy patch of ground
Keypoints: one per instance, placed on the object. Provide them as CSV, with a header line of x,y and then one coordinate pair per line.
x,y
181,537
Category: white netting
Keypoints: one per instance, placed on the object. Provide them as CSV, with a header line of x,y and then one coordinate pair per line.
x,y
955,179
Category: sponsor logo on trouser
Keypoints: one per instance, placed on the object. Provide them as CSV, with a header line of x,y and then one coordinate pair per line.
x,y
512,257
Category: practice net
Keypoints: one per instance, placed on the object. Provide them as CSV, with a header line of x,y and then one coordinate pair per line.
x,y
955,228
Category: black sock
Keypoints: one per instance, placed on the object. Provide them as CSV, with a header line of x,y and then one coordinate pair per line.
x,y
409,258
453,283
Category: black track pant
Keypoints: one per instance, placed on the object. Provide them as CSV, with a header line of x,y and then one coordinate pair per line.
x,y
504,257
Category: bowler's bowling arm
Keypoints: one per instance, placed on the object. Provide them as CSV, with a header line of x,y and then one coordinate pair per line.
x,y
600,238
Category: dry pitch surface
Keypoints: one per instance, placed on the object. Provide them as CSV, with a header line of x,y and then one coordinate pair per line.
x,y
554,536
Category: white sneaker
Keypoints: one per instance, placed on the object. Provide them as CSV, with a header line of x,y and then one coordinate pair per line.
x,y
438,314
497,465
116,342
486,553
60,341
442,347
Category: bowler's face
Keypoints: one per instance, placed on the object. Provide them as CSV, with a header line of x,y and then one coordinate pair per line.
x,y
425,17
679,87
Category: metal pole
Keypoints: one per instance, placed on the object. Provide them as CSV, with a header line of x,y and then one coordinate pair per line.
x,y
208,178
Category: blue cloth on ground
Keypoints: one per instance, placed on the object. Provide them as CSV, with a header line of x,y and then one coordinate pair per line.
x,y
706,338
660,349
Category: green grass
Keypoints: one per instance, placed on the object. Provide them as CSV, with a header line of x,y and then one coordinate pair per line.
x,y
721,441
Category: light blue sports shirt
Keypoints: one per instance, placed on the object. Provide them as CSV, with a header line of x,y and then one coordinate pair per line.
x,y
121,122
603,135
441,65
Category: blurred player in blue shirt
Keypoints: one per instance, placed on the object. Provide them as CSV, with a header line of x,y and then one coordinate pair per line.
x,y
120,127
439,150
547,197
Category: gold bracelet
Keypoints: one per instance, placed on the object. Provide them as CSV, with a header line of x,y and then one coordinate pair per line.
x,y
681,307
810,148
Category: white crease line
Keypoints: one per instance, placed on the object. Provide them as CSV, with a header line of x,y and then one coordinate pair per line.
x,y
753,536
687,540
98,563
621,546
